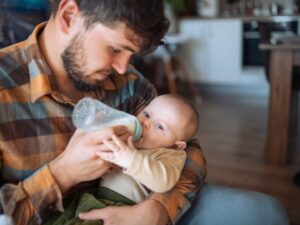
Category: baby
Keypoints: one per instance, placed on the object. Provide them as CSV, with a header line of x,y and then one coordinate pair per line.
x,y
168,122
151,164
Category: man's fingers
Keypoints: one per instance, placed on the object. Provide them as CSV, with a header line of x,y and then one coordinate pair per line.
x,y
94,214
102,147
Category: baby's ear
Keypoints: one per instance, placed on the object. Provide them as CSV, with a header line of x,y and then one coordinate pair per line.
x,y
180,145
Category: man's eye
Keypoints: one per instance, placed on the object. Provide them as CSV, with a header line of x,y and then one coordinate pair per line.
x,y
146,114
114,50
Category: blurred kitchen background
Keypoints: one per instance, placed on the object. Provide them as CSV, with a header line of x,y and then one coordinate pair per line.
x,y
212,56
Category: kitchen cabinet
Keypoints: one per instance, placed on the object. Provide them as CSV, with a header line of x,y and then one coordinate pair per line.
x,y
213,51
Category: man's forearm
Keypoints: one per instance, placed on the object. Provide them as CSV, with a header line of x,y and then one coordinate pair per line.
x,y
60,176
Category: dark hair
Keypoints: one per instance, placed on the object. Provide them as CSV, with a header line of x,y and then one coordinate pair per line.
x,y
145,17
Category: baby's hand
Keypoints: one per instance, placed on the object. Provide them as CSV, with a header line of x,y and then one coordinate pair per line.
x,y
119,152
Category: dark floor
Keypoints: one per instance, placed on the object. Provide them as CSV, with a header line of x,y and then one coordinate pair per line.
x,y
232,135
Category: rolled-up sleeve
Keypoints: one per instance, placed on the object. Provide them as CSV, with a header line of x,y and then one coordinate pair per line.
x,y
26,200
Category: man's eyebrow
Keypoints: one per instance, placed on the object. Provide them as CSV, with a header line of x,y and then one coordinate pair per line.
x,y
127,48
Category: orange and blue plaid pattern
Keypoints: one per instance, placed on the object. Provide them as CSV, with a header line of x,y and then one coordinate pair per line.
x,y
35,127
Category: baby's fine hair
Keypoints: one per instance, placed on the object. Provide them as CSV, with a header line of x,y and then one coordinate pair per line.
x,y
195,118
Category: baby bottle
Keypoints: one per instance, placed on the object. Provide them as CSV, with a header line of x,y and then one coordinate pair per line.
x,y
90,114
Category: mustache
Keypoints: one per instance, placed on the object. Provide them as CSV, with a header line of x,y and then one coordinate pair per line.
x,y
109,71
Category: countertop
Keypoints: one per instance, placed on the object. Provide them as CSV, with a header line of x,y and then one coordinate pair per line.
x,y
279,18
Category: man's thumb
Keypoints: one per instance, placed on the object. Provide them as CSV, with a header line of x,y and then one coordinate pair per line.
x,y
95,214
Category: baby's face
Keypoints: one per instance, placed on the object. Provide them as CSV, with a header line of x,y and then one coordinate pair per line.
x,y
163,124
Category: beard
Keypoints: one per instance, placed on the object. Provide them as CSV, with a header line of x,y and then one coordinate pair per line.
x,y
74,61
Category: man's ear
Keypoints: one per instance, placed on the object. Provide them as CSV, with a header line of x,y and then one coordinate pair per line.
x,y
180,145
67,13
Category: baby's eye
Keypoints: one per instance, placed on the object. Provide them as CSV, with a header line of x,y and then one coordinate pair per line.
x,y
159,126
146,114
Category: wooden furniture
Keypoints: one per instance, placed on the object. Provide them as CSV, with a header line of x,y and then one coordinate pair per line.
x,y
173,67
283,57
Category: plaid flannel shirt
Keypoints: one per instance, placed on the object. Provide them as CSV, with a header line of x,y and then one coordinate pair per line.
x,y
36,126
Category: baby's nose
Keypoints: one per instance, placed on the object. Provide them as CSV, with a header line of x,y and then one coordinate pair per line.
x,y
147,123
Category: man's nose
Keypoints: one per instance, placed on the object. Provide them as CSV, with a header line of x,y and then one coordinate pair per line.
x,y
120,64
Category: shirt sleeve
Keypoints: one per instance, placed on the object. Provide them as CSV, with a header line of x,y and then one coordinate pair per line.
x,y
141,91
26,200
157,169
179,199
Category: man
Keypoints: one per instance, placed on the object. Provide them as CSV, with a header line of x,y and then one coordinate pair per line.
x,y
83,50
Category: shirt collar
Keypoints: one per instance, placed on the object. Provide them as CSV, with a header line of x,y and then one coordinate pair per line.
x,y
41,79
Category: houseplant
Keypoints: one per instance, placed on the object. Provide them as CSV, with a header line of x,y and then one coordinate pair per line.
x,y
176,5
172,8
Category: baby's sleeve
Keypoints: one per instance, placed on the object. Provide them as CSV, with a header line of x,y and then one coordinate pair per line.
x,y
157,169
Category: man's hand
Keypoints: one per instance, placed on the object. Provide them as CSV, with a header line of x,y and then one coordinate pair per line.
x,y
79,161
148,212
119,152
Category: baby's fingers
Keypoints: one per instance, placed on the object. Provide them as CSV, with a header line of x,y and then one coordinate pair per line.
x,y
119,142
107,156
130,142
111,145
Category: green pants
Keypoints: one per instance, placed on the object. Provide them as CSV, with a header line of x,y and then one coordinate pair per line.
x,y
86,201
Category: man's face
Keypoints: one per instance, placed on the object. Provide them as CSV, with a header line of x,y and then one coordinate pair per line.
x,y
94,54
